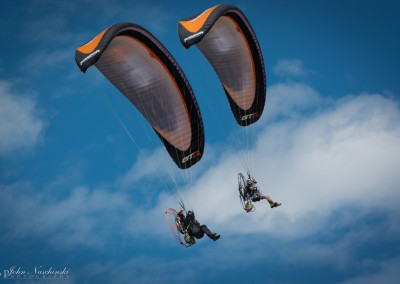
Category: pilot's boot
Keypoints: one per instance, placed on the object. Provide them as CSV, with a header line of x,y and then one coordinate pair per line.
x,y
275,204
212,236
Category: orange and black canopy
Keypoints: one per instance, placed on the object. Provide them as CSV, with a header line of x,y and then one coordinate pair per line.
x,y
225,37
142,69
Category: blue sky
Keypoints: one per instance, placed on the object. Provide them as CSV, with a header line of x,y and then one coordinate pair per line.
x,y
76,192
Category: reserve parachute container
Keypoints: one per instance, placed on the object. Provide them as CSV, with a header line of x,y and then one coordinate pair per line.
x,y
142,69
227,40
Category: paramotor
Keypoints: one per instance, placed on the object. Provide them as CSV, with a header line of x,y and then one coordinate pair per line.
x,y
245,198
178,231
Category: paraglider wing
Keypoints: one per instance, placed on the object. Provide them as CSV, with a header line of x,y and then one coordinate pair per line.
x,y
227,40
142,69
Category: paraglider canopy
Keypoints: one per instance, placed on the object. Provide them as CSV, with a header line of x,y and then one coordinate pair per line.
x,y
142,69
227,40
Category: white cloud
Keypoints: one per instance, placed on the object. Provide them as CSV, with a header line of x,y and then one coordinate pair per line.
x,y
348,155
20,124
290,67
157,165
290,100
316,162
147,163
84,217
320,159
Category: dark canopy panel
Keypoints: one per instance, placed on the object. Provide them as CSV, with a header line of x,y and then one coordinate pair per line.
x,y
140,67
227,40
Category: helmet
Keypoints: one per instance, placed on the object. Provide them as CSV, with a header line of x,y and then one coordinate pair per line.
x,y
249,207
249,181
190,215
